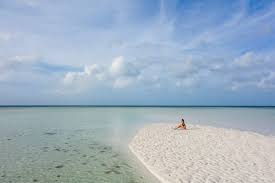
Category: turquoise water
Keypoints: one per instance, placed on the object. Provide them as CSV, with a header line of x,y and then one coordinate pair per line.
x,y
89,144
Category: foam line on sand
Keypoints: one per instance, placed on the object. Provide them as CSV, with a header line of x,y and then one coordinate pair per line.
x,y
205,154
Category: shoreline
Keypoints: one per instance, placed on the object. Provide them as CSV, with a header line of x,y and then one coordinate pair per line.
x,y
150,169
205,154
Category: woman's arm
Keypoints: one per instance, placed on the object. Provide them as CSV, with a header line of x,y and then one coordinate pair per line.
x,y
178,127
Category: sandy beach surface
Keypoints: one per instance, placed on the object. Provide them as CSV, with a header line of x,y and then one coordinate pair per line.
x,y
205,154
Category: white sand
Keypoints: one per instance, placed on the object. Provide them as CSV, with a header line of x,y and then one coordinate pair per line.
x,y
205,154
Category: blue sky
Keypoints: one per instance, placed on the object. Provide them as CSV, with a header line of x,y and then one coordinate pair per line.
x,y
157,52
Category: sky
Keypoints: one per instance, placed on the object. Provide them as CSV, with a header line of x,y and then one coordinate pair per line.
x,y
137,52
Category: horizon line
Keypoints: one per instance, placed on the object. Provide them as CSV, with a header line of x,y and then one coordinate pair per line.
x,y
88,105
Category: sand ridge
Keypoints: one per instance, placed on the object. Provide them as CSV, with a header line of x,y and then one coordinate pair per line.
x,y
205,154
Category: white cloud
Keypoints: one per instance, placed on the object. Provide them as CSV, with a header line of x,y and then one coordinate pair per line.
x,y
120,67
79,82
7,64
187,68
89,72
247,70
252,59
119,74
253,70
122,74
187,82
123,82
247,59
240,27
264,82
237,85
194,71
6,36
267,82
25,58
31,3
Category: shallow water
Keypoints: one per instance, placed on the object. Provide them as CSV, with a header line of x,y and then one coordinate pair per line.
x,y
89,144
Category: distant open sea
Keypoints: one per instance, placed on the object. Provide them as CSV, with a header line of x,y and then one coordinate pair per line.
x,y
90,144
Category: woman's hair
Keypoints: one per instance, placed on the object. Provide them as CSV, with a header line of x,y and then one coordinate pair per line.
x,y
182,120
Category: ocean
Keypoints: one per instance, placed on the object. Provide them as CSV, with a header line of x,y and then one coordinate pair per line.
x,y
90,144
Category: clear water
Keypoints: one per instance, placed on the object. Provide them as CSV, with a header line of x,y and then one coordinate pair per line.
x,y
89,144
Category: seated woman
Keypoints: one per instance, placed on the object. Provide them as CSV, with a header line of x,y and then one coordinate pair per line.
x,y
181,126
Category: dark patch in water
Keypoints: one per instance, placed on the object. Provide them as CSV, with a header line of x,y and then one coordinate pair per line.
x,y
58,176
59,166
116,172
117,166
93,144
132,181
108,172
115,155
107,148
113,170
84,155
34,180
50,133
9,139
79,130
127,165
85,163
45,149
